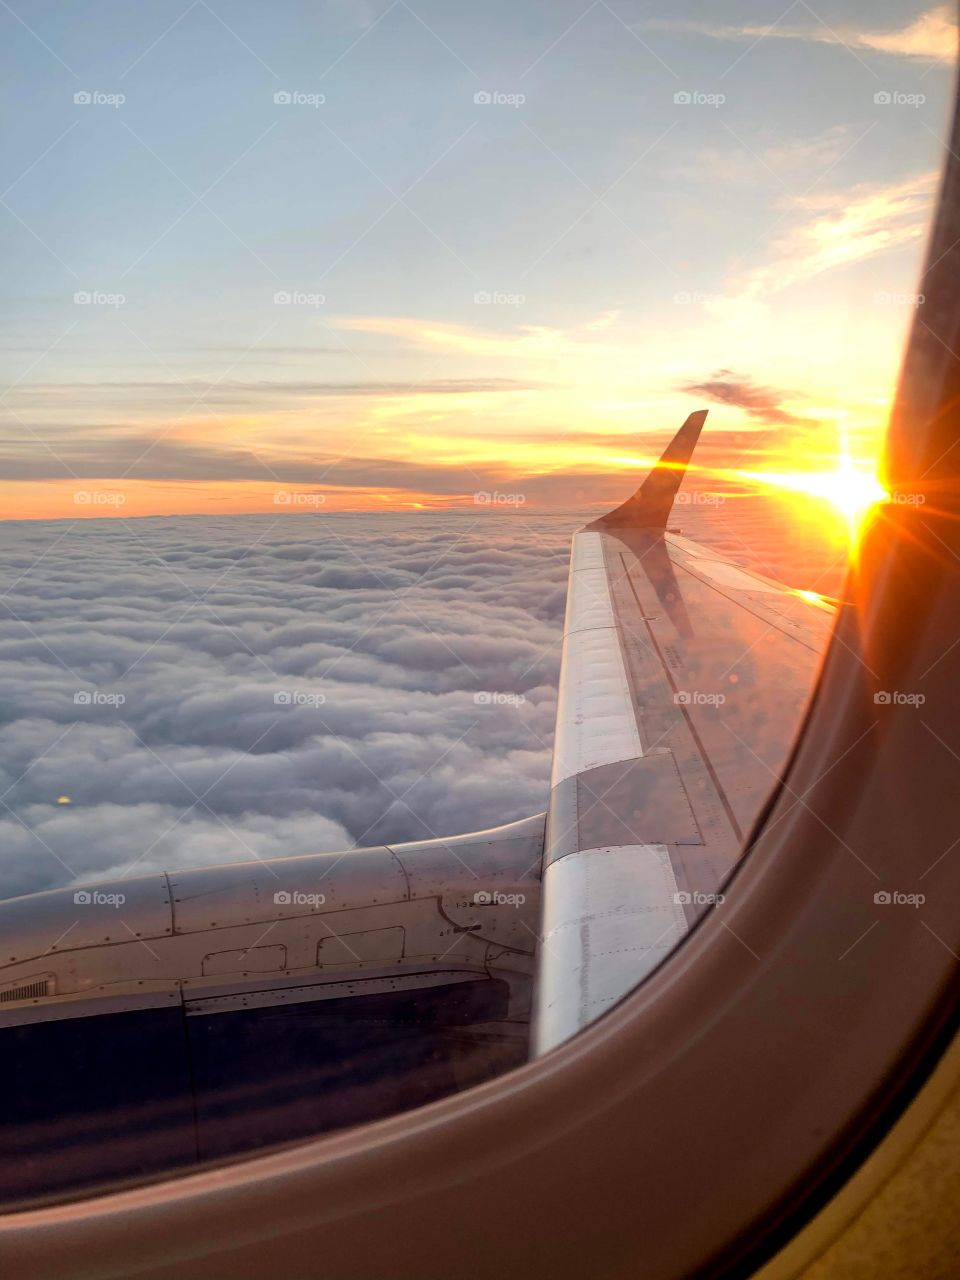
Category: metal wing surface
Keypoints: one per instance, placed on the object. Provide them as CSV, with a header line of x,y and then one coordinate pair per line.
x,y
683,680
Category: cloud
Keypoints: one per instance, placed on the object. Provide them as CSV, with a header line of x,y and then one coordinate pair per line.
x,y
254,396
137,457
179,634
524,340
790,158
143,456
931,36
843,228
604,321
764,404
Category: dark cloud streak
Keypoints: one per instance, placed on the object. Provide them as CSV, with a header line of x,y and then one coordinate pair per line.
x,y
764,404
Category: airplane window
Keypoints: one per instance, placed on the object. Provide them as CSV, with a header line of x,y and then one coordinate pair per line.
x,y
436,445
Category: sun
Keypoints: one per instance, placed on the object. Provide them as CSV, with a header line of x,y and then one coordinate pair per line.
x,y
852,489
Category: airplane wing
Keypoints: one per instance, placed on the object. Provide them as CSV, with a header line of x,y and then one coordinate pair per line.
x,y
683,681
209,1011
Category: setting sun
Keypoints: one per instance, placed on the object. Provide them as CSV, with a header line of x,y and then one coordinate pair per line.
x,y
851,489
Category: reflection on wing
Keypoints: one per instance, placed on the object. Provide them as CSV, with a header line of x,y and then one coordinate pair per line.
x,y
682,683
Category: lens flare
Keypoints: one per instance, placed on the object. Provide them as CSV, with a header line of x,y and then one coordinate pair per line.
x,y
851,489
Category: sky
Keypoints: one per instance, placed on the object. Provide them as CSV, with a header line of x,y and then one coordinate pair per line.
x,y
379,255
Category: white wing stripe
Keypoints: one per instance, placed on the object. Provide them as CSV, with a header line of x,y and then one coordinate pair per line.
x,y
596,722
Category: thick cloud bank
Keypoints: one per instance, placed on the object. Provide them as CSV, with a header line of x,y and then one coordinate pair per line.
x,y
211,690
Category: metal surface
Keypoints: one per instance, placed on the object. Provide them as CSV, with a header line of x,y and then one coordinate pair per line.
x,y
595,719
615,913
233,928
682,684
150,1023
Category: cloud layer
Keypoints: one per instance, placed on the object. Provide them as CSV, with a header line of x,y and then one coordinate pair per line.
x,y
212,690
192,690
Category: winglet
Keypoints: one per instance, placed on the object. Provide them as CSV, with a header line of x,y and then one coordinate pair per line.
x,y
650,506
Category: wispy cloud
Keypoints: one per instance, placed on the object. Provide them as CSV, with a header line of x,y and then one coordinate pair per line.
x,y
932,36
254,395
796,161
443,336
604,321
843,228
